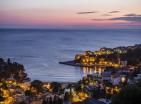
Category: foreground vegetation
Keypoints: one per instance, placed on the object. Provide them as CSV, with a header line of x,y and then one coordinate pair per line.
x,y
130,94
123,64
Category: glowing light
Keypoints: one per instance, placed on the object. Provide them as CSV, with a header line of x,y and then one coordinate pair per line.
x,y
123,79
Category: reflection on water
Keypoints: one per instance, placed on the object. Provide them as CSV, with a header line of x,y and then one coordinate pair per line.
x,y
41,50
92,70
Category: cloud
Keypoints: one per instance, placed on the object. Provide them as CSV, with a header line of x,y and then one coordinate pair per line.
x,y
106,15
89,12
114,12
99,19
128,18
132,14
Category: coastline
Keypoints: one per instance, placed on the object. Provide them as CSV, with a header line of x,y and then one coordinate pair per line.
x,y
14,77
117,57
74,63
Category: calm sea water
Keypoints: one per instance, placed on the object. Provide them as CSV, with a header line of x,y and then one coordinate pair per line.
x,y
41,50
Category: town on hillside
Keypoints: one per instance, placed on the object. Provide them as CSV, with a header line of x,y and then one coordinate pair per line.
x,y
120,75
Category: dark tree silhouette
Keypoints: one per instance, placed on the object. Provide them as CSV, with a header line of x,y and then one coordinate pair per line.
x,y
38,85
128,95
56,87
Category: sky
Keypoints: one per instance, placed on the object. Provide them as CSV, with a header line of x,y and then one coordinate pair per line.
x,y
70,13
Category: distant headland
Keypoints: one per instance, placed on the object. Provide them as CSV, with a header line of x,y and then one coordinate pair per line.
x,y
109,57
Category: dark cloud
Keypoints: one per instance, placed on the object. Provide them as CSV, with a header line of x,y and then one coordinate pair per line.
x,y
132,14
128,18
90,12
114,12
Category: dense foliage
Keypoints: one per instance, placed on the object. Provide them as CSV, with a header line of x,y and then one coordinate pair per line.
x,y
13,70
130,94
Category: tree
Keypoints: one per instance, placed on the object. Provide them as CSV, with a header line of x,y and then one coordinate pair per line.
x,y
50,100
1,98
60,101
44,102
28,93
66,96
56,87
96,93
128,95
37,85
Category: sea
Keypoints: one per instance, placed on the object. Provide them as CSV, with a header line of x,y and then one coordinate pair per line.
x,y
41,50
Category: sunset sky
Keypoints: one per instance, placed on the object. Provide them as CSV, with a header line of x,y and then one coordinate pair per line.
x,y
70,13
